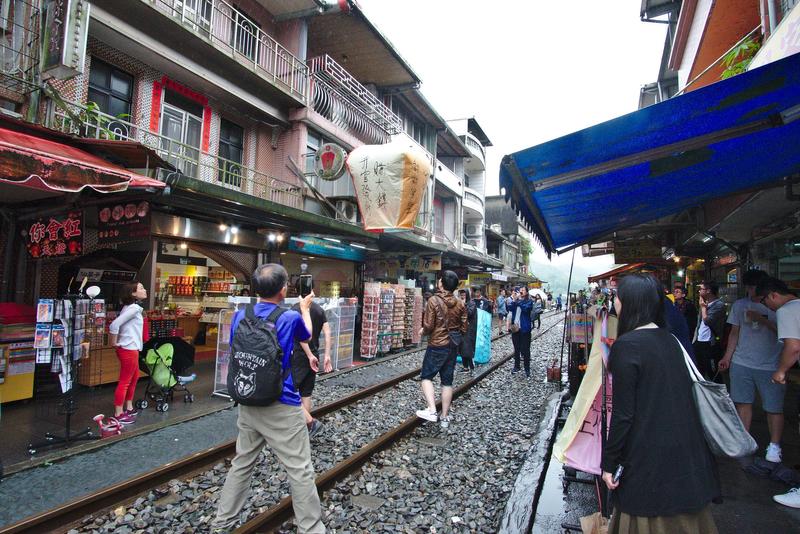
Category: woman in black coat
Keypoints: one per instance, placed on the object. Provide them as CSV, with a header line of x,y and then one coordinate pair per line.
x,y
669,476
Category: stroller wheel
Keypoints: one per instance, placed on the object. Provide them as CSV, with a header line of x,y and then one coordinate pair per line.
x,y
159,406
165,407
141,404
188,398
191,397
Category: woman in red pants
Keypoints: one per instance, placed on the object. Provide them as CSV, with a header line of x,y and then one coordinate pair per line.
x,y
126,335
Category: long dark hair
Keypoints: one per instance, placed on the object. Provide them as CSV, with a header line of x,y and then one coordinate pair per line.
x,y
642,303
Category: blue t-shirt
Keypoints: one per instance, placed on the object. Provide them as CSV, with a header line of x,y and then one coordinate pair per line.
x,y
290,328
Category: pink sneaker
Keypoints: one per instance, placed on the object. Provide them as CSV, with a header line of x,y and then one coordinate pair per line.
x,y
125,419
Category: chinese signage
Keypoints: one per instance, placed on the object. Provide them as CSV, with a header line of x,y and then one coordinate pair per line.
x,y
57,236
636,250
783,42
65,35
329,161
479,278
424,263
390,181
128,221
101,275
316,246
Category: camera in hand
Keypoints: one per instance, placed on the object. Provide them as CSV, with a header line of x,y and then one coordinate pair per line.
x,y
306,284
617,474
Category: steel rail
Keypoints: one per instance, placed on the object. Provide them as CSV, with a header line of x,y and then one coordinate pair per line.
x,y
275,516
105,498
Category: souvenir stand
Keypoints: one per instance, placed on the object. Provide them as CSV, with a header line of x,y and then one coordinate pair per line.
x,y
65,330
370,314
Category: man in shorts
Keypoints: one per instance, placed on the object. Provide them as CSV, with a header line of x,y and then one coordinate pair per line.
x,y
752,355
445,323
501,309
774,294
306,374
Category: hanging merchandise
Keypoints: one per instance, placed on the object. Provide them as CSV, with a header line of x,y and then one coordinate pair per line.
x,y
370,315
399,316
390,181
386,319
416,336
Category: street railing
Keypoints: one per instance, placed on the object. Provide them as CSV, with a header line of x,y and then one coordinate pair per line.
x,y
239,36
87,121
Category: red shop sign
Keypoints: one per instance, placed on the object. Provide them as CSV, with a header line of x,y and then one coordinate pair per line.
x,y
58,236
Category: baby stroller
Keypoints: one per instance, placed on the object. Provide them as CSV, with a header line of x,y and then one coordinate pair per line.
x,y
166,361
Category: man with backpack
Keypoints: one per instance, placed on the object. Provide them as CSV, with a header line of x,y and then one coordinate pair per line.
x,y
445,323
260,380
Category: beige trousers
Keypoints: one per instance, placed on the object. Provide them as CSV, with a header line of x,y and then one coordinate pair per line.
x,y
283,428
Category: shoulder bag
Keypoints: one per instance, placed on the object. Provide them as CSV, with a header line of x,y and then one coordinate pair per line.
x,y
724,431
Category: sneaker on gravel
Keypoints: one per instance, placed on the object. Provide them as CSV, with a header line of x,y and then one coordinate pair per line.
x,y
125,419
132,413
444,422
315,428
790,499
514,371
774,453
464,370
428,415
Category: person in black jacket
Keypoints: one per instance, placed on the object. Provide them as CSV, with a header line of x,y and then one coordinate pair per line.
x,y
669,476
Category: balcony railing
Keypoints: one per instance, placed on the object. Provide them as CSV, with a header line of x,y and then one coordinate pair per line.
x,y
472,195
475,145
239,37
19,45
340,98
85,121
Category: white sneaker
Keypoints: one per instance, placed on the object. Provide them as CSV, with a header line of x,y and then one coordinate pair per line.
x,y
444,422
773,453
427,414
791,498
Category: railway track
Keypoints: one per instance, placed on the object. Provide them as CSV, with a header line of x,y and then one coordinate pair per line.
x,y
60,517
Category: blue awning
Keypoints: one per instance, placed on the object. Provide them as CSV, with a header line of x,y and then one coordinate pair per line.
x,y
737,134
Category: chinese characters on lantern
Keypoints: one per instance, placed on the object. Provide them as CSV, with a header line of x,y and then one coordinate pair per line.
x,y
57,236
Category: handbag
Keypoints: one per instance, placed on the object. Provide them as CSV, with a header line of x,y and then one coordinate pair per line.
x,y
723,429
515,325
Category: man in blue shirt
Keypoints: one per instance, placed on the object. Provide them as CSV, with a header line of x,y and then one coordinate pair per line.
x,y
281,425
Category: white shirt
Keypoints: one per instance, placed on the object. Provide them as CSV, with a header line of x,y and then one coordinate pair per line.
x,y
128,327
703,330
789,320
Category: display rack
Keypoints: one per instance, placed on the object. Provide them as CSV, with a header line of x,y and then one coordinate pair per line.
x,y
342,321
370,315
386,319
408,332
223,353
416,337
59,341
399,316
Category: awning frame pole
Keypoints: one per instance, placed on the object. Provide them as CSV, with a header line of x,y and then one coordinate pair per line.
x,y
566,313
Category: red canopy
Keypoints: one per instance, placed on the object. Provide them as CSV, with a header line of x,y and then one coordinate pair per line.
x,y
47,165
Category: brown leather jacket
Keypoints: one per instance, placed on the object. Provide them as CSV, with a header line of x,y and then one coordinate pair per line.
x,y
443,312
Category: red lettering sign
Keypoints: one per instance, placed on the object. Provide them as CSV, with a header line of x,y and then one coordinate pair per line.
x,y
62,235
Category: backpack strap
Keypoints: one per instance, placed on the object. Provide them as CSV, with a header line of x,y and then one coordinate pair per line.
x,y
273,317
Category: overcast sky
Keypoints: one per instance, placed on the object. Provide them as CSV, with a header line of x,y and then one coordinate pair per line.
x,y
527,70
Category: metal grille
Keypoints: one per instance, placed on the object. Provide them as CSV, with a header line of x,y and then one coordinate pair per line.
x,y
787,5
19,45
235,33
340,98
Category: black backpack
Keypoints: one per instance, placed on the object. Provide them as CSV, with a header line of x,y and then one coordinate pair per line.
x,y
255,371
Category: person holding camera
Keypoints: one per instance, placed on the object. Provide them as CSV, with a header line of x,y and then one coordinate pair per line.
x,y
710,327
261,380
520,325
306,375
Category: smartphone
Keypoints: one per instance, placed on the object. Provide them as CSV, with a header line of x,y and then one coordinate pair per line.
x,y
617,474
306,284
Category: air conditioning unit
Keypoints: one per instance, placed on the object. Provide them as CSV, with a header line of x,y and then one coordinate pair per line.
x,y
348,209
473,230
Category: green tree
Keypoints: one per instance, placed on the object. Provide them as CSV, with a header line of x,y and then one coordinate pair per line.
x,y
738,59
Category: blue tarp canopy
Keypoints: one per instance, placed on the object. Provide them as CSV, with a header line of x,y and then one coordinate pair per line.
x,y
737,134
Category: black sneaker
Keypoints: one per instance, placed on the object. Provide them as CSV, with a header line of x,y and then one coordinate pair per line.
x,y
464,370
514,371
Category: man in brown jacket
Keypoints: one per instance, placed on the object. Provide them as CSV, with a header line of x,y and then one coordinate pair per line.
x,y
445,323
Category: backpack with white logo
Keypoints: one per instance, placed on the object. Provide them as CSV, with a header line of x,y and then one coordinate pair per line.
x,y
255,371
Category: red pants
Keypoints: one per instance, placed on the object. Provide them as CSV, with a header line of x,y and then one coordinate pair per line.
x,y
128,375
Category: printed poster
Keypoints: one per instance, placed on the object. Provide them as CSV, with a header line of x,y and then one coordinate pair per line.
x,y
483,340
44,311
42,336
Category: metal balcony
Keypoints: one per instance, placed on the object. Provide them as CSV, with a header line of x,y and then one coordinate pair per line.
x,y
84,121
473,204
340,98
230,31
19,46
475,147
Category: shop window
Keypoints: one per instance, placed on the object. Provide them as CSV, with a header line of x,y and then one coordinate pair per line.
x,y
231,153
111,89
181,130
244,34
